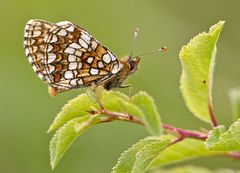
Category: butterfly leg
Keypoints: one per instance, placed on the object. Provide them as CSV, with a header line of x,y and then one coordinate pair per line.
x,y
125,86
129,91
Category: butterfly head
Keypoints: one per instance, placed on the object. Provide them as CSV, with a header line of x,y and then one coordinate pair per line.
x,y
130,64
133,64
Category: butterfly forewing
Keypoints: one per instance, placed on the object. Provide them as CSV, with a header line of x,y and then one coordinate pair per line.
x,y
66,56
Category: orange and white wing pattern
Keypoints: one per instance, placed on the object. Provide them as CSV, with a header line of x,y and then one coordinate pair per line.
x,y
66,56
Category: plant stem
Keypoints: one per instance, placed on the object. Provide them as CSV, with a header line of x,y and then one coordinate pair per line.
x,y
212,117
185,133
182,133
126,117
234,155
120,116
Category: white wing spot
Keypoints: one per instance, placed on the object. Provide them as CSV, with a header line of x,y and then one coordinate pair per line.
x,y
27,26
30,60
72,58
94,71
51,57
40,76
26,34
48,79
100,64
115,68
80,82
75,72
83,43
62,32
54,39
37,27
51,68
73,82
90,60
79,65
63,23
72,66
106,58
36,33
112,56
70,29
85,32
27,51
75,45
85,37
68,75
31,21
34,68
69,50
50,48
94,45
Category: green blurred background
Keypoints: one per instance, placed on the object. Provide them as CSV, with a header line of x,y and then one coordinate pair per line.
x,y
26,109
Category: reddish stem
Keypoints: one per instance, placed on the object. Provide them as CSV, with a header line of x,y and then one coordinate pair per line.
x,y
212,117
126,117
182,133
185,133
235,155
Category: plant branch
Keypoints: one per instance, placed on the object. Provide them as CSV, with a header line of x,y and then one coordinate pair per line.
x,y
182,133
234,155
120,116
185,133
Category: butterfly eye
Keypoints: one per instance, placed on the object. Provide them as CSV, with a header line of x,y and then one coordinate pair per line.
x,y
133,64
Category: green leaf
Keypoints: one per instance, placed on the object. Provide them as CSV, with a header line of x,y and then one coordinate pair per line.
x,y
234,95
197,59
118,102
194,169
224,141
214,135
146,103
112,100
142,107
66,135
138,157
181,151
76,114
76,107
80,106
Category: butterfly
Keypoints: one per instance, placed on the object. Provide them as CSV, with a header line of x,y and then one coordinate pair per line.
x,y
66,57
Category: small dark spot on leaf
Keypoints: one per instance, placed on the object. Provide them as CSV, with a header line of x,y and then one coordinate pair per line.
x,y
204,81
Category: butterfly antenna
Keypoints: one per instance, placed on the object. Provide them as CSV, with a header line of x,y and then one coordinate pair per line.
x,y
162,49
135,34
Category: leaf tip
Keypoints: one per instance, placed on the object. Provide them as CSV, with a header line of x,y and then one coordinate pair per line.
x,y
217,27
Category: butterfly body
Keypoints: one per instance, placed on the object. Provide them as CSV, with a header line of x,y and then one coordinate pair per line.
x,y
66,57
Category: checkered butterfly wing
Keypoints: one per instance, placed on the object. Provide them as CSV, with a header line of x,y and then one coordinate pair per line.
x,y
66,56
